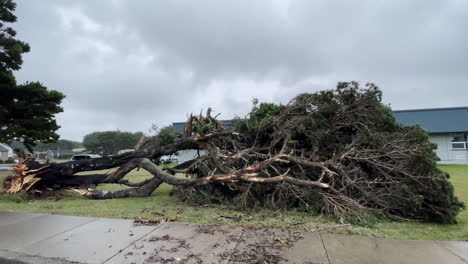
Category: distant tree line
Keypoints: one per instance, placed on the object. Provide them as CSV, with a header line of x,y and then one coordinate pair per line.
x,y
104,143
110,142
60,144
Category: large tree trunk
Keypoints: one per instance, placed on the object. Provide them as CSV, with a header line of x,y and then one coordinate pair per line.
x,y
31,175
339,152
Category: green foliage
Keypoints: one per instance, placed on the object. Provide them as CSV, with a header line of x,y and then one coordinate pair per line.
x,y
379,167
205,129
8,161
19,197
260,116
110,142
314,116
27,111
165,136
11,49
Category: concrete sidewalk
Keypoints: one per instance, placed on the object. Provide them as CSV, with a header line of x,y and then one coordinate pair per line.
x,y
40,238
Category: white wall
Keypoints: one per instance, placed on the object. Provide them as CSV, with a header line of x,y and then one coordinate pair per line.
x,y
3,156
443,145
10,150
186,155
445,152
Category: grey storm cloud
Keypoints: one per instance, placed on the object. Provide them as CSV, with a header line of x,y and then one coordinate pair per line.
x,y
129,64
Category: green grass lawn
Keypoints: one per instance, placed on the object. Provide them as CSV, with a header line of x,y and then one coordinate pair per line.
x,y
161,205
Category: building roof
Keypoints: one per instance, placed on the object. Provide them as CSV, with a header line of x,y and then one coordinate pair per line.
x,y
3,149
435,120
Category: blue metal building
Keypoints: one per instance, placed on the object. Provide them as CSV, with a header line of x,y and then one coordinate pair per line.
x,y
447,127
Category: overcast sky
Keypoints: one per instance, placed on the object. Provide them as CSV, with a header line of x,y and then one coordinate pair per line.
x,y
129,64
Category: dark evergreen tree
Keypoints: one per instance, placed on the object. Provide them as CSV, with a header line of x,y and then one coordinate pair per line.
x,y
27,111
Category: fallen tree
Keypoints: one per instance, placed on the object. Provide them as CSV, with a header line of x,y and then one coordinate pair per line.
x,y
337,152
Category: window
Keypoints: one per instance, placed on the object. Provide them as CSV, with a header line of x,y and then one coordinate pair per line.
x,y
459,145
459,141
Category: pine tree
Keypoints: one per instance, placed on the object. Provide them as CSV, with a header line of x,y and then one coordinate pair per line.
x,y
27,111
